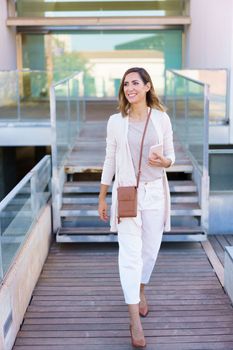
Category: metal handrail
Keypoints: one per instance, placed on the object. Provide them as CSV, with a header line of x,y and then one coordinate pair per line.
x,y
186,77
220,151
62,81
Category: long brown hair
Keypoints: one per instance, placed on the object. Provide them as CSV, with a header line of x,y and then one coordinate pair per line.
x,y
152,99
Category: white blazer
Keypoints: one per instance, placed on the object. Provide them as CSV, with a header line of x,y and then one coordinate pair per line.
x,y
118,160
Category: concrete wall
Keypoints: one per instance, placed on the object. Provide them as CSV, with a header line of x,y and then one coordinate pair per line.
x,y
18,285
220,213
209,40
15,135
228,272
7,42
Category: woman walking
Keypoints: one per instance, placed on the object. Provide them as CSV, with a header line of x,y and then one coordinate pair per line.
x,y
139,237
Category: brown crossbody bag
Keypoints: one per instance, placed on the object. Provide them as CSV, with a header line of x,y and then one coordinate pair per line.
x,y
127,195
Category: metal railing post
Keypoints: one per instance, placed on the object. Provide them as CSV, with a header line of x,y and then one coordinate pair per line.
x,y
186,114
1,260
165,87
205,174
34,195
78,119
18,96
174,100
55,175
69,126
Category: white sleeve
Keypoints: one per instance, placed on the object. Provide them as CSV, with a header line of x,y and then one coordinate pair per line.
x,y
110,157
168,140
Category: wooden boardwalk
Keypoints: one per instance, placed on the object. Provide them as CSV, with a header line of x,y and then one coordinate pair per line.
x,y
78,302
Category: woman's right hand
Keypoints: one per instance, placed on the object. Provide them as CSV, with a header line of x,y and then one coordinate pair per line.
x,y
103,210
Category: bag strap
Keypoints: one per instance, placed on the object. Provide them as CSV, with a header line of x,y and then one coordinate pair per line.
x,y
143,136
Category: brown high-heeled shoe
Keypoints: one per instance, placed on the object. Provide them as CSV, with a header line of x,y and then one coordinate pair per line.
x,y
141,343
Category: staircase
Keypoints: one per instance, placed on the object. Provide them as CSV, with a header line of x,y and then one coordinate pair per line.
x,y
79,214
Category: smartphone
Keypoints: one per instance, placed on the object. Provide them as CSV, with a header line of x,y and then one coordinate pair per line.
x,y
156,149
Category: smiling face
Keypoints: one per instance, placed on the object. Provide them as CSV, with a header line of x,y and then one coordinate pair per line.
x,y
134,88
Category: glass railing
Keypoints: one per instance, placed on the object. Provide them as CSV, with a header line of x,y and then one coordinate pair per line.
x,y
24,95
217,80
20,209
188,106
67,117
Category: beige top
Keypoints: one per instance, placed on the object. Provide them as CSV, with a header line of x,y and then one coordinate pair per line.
x,y
135,131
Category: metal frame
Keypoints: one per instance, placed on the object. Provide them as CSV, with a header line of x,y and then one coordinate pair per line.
x,y
80,28
97,21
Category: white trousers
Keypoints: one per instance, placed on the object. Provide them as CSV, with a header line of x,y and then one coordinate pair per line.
x,y
140,239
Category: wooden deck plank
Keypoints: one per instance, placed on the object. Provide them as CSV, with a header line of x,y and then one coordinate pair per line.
x,y
124,320
229,239
202,339
176,346
78,302
158,301
218,243
121,326
172,298
214,260
223,242
152,332
51,313
116,308
217,248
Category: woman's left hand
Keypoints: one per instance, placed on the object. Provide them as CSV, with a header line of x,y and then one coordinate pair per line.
x,y
159,161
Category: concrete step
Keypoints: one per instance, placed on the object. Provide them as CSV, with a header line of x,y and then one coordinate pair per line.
x,y
104,230
94,186
84,166
90,210
93,199
177,234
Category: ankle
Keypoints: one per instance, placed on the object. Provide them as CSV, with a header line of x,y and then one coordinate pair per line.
x,y
142,298
136,324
